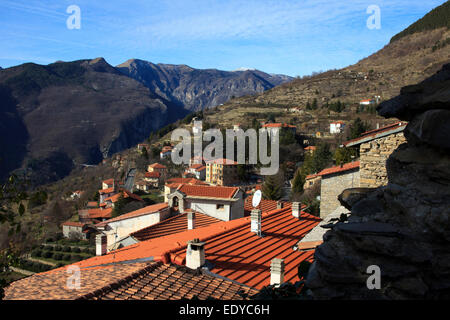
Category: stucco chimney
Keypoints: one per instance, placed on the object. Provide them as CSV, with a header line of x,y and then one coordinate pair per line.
x,y
296,209
279,205
276,272
191,220
255,221
100,244
195,254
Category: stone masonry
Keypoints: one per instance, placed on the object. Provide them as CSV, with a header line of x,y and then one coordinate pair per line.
x,y
332,185
373,156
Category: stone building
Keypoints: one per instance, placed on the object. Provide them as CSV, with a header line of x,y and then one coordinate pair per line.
x,y
375,147
334,180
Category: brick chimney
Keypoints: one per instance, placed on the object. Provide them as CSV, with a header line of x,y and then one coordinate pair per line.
x,y
296,209
100,244
279,205
255,222
191,220
276,272
195,254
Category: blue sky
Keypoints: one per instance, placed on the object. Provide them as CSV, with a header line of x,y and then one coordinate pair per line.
x,y
290,37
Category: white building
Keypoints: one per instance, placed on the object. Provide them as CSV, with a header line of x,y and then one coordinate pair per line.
x,y
337,127
224,203
120,227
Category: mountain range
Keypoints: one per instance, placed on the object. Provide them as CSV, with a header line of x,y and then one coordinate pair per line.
x,y
60,115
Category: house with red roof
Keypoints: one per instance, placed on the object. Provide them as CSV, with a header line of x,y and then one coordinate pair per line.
x,y
337,127
254,251
160,168
173,184
166,151
197,170
334,180
118,228
224,203
375,147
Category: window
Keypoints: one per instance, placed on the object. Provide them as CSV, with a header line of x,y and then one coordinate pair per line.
x,y
220,206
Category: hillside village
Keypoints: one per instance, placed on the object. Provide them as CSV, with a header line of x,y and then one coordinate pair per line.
x,y
210,202
362,180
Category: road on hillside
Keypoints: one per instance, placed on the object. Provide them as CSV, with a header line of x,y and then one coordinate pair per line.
x,y
129,181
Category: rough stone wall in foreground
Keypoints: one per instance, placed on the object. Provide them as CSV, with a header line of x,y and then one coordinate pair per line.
x,y
403,227
373,157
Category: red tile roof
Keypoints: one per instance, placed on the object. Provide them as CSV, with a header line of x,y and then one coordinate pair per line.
x,y
126,194
310,148
108,181
338,169
157,166
233,250
99,213
242,256
153,174
132,281
173,225
278,125
108,190
377,133
137,213
311,176
92,204
264,205
73,224
200,191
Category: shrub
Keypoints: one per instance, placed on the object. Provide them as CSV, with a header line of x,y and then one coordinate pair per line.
x,y
47,254
49,240
57,248
86,250
36,253
57,256
67,249
77,257
67,257
77,250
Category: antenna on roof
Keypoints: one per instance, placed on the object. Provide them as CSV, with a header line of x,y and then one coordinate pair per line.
x,y
256,198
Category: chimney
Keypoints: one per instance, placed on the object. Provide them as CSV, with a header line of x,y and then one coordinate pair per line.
x,y
276,272
100,244
378,125
255,221
296,209
191,220
195,254
279,205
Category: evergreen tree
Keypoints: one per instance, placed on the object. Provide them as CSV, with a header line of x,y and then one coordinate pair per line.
x,y
298,182
357,127
118,206
271,188
344,155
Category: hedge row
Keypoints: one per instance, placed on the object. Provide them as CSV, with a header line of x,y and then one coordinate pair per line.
x,y
33,266
56,255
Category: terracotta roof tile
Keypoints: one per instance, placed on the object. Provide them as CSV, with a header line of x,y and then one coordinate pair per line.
x,y
278,125
377,133
264,205
208,191
173,225
153,174
178,181
338,169
108,190
157,166
142,281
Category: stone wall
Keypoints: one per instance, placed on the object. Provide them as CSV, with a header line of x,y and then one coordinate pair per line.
x,y
332,185
373,157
